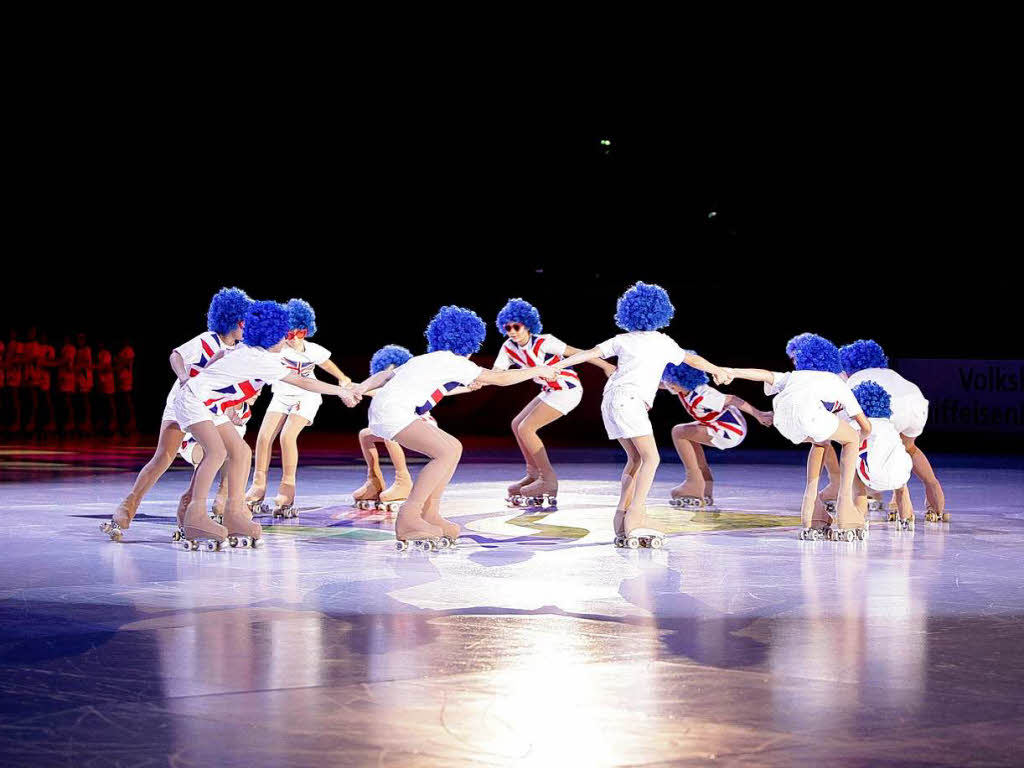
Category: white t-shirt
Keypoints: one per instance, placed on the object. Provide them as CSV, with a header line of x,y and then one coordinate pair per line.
x,y
420,383
235,378
201,351
643,356
302,363
827,387
542,349
903,393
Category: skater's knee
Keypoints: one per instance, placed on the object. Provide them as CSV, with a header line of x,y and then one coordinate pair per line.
x,y
216,454
456,451
679,431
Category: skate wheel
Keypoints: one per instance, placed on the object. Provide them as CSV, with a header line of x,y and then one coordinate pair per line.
x,y
552,501
620,542
232,541
443,543
675,503
849,535
657,542
186,545
401,546
633,542
893,517
176,536
211,545
945,517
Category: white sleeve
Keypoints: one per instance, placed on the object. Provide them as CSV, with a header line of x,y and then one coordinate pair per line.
x,y
676,354
318,355
850,404
777,385
191,351
609,348
502,362
554,346
467,372
713,399
271,367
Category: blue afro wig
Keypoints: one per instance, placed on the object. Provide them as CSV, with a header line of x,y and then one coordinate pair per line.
x,y
389,354
644,307
228,308
301,317
874,400
817,354
456,330
862,354
793,344
519,311
685,376
266,324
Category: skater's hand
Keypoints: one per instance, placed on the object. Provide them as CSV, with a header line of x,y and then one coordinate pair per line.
x,y
722,375
546,372
344,381
475,385
765,417
350,397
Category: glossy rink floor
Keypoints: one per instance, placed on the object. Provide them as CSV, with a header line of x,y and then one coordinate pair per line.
x,y
534,643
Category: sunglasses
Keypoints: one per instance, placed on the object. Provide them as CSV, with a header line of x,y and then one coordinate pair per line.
x,y
300,334
513,327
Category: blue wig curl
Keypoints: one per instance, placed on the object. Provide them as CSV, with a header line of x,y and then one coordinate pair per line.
x,y
874,400
519,311
817,354
644,307
301,317
685,376
861,354
456,330
797,341
389,354
266,324
228,308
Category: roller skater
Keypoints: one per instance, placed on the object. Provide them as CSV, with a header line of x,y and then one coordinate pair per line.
x,y
717,422
642,353
290,411
865,360
224,320
527,347
804,411
225,384
412,390
883,462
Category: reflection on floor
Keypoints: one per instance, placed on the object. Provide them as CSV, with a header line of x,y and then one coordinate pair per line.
x,y
535,642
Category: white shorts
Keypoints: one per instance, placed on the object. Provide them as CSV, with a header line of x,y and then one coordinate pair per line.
x,y
625,414
800,418
885,467
909,415
188,410
169,414
562,400
305,405
728,430
188,443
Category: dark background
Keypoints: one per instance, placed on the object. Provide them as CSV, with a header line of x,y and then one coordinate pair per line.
x,y
871,215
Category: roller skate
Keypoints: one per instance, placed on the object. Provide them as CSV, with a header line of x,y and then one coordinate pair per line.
x,y
284,502
217,508
539,493
819,533
256,493
419,535
855,533
639,535
391,499
121,519
242,532
696,503
820,527
904,525
932,515
514,497
179,518
201,532
369,493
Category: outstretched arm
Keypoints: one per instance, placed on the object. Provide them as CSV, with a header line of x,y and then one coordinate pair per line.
x,y
763,417
720,375
607,367
313,385
376,381
507,378
579,357
752,374
336,372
